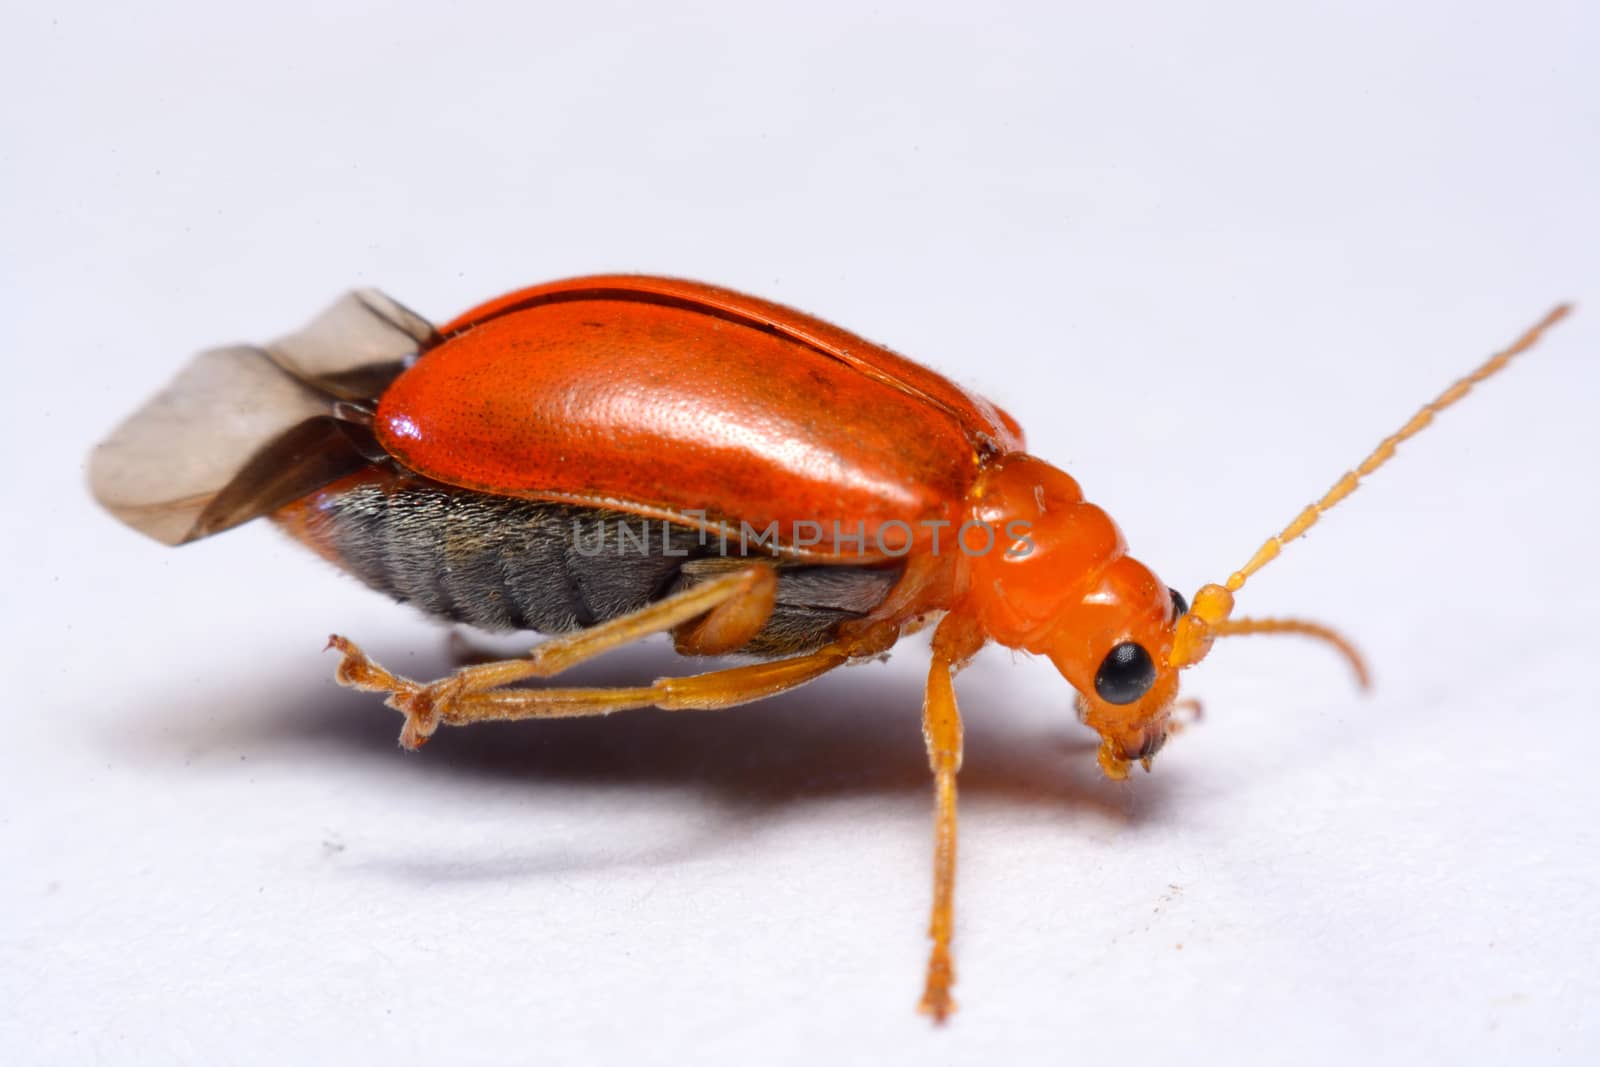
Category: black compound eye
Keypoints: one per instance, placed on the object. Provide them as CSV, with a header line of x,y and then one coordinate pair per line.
x,y
1126,674
1180,606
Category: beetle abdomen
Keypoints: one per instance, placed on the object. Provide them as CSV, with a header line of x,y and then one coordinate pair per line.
x,y
501,563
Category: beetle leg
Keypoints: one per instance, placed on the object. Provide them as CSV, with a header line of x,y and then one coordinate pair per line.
x,y
730,625
702,692
915,588
730,603
954,642
714,689
712,599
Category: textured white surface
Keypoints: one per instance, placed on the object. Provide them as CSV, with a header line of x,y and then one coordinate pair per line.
x,y
1208,254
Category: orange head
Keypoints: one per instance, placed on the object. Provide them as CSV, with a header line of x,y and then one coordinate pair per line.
x,y
1056,580
1059,583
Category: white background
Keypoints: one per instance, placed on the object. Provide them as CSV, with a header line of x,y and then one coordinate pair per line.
x,y
1207,253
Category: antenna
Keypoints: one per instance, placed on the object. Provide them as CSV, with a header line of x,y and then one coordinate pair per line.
x,y
1386,448
1211,607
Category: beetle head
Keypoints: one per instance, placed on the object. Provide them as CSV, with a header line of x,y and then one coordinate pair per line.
x,y
1060,584
1065,587
1113,647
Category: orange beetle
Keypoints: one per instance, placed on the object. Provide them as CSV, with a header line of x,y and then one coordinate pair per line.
x,y
805,497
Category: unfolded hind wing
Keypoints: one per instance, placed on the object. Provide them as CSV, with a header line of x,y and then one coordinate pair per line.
x,y
242,431
355,349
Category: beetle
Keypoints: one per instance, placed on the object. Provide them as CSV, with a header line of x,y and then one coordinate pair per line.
x,y
606,458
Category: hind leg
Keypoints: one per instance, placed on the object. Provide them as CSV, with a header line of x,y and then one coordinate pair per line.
x,y
714,689
734,607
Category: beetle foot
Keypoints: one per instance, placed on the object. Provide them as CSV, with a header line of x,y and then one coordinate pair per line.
x,y
425,707
357,670
936,999
419,704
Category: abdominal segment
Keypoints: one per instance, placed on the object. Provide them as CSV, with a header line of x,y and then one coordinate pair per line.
x,y
503,563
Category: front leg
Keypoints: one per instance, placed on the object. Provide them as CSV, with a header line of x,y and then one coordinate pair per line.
x,y
955,641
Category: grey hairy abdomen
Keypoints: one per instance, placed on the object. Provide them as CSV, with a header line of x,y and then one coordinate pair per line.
x,y
505,564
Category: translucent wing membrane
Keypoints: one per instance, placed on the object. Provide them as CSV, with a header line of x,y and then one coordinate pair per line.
x,y
355,349
242,431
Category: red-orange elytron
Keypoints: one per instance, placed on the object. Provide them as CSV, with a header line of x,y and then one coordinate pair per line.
x,y
611,457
